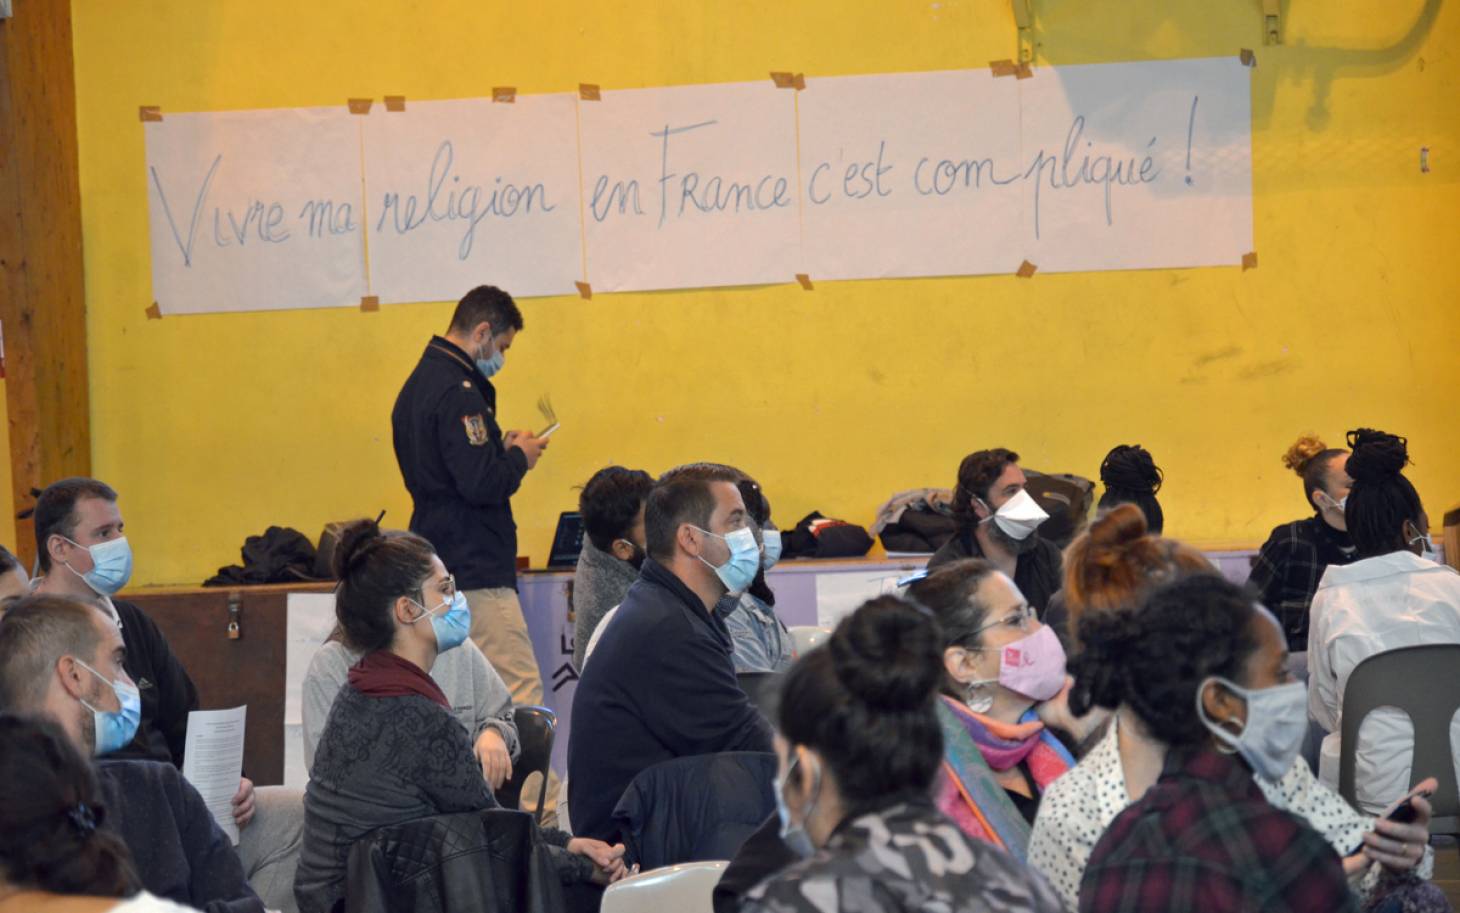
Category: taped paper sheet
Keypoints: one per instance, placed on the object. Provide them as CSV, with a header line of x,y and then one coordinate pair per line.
x,y
464,193
690,186
911,175
255,210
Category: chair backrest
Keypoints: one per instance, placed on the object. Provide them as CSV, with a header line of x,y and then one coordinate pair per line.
x,y
535,731
686,888
1423,682
807,636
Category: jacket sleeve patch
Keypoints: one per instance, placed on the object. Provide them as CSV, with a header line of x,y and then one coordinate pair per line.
x,y
476,429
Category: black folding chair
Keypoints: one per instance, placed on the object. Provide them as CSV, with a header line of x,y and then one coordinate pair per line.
x,y
536,727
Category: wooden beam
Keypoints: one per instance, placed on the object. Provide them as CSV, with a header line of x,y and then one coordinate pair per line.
x,y
42,292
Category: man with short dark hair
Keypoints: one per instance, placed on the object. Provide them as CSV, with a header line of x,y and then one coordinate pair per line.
x,y
83,551
998,520
63,659
661,684
462,471
612,506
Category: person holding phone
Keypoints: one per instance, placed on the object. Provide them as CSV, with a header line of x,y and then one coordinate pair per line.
x,y
462,471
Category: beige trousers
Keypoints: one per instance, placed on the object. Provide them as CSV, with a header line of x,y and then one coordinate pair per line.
x,y
498,628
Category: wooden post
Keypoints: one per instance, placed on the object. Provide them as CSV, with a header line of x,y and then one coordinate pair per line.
x,y
42,293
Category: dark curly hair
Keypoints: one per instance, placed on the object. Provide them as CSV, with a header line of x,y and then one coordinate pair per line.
x,y
1381,498
50,815
1154,659
976,474
1130,476
865,701
610,501
375,568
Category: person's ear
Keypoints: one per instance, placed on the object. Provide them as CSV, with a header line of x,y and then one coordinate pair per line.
x,y
981,509
622,549
56,548
73,677
406,611
1223,707
688,538
955,659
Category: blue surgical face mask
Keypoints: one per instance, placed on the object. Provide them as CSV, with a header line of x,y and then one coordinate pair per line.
x,y
490,366
451,626
772,554
111,565
794,835
739,572
115,729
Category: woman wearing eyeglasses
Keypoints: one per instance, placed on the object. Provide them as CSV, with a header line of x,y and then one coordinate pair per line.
x,y
1003,691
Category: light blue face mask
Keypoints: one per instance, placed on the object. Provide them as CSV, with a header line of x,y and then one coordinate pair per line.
x,y
490,366
794,835
115,729
111,565
450,627
739,572
772,542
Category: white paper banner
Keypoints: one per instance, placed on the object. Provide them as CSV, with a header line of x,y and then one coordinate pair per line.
x,y
468,192
690,186
255,210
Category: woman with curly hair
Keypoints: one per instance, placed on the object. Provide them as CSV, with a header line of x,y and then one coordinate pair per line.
x,y
1292,561
1395,595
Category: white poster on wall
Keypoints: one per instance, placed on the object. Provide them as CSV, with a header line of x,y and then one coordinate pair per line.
x,y
1137,165
914,174
255,210
690,186
470,192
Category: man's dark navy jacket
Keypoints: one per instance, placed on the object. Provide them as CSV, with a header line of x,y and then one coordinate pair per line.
x,y
459,474
659,685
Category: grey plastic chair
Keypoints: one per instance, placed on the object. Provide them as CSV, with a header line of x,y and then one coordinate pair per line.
x,y
1424,683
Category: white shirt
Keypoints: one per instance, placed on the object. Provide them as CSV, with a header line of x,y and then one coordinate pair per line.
x,y
143,902
1076,809
1360,609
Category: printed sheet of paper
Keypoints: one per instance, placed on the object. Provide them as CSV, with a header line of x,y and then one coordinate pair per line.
x,y
255,210
690,186
213,761
470,192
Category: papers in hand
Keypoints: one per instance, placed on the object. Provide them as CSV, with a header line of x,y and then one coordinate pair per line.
x,y
213,761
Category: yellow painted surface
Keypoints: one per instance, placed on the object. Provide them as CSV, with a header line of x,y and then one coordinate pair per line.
x,y
214,427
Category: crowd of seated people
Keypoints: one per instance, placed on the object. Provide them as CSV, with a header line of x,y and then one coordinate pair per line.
x,y
1117,727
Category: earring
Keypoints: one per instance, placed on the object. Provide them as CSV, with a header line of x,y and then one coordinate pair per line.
x,y
979,696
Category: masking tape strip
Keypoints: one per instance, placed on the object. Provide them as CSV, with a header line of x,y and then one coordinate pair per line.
x,y
504,94
585,290
1026,270
360,105
1023,71
1248,58
1004,67
370,303
395,102
787,80
588,91
805,281
149,113
1249,260
154,311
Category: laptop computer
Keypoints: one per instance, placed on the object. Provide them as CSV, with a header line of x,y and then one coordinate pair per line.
x,y
567,540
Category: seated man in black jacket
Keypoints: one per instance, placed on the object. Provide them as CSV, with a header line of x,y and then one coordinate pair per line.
x,y
663,685
64,659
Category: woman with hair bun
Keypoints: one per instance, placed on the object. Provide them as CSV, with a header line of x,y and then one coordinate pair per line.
x,y
859,748
1395,595
1130,476
1292,561
56,855
1109,573
391,751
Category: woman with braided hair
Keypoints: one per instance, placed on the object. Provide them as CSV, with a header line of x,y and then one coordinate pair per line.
x,y
1395,595
1130,476
1292,561
55,854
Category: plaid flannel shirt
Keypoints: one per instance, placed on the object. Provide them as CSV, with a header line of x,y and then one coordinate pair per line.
x,y
1287,570
1204,838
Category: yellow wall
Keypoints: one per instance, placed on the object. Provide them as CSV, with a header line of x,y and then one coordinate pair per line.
x,y
213,427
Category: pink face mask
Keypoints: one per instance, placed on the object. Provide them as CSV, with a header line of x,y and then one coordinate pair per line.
x,y
1033,666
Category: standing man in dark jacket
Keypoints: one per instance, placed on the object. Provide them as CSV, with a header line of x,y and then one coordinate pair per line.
x,y
663,685
462,471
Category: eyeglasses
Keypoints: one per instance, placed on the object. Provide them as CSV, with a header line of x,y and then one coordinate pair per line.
x,y
1020,619
448,586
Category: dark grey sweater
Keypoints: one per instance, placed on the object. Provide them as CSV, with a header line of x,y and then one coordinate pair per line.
x,y
384,761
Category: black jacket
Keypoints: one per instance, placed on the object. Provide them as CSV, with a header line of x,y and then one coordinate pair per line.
x,y
695,809
482,862
459,473
168,694
1039,573
180,852
662,686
